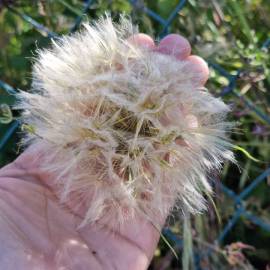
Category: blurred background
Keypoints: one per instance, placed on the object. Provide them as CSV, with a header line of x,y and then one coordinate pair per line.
x,y
233,36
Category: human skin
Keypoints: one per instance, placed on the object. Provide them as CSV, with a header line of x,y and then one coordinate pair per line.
x,y
38,232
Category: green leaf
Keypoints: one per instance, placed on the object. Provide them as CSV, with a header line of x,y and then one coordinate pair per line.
x,y
246,153
5,114
187,258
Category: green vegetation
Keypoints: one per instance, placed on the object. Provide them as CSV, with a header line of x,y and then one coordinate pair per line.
x,y
230,33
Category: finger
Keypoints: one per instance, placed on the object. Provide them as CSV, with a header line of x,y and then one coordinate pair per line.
x,y
142,40
176,45
199,68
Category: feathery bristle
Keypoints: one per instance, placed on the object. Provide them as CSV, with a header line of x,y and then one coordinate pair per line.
x,y
125,127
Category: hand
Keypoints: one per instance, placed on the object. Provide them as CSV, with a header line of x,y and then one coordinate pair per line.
x,y
37,232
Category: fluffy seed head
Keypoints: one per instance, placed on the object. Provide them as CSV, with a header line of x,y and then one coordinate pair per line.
x,y
126,128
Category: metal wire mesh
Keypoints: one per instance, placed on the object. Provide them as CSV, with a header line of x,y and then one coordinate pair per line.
x,y
238,199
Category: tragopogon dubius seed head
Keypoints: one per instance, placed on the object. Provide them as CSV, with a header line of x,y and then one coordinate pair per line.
x,y
125,128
